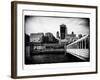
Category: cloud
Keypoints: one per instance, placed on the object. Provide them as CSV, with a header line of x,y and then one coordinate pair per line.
x,y
52,24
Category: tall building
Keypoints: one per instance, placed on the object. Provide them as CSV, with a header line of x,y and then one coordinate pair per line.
x,y
63,31
57,34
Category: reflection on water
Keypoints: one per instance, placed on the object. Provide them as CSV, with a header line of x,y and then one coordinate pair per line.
x,y
53,57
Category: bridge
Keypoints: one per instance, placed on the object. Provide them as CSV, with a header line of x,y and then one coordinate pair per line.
x,y
80,48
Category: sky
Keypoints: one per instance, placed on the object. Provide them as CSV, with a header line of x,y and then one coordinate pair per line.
x,y
39,24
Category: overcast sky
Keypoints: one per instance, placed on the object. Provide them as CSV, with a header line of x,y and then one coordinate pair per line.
x,y
52,24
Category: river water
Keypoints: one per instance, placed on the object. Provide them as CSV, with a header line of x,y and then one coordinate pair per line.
x,y
52,57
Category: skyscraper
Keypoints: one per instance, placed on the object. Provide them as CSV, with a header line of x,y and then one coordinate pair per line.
x,y
63,31
57,34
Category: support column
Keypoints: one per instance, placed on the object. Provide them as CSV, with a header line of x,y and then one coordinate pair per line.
x,y
80,45
85,43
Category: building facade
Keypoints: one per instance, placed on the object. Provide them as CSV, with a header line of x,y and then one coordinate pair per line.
x,y
71,37
63,31
36,37
57,35
49,38
65,37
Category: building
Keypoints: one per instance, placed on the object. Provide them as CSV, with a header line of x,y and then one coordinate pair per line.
x,y
57,35
27,39
27,46
63,31
64,36
36,37
49,38
80,36
36,40
71,37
